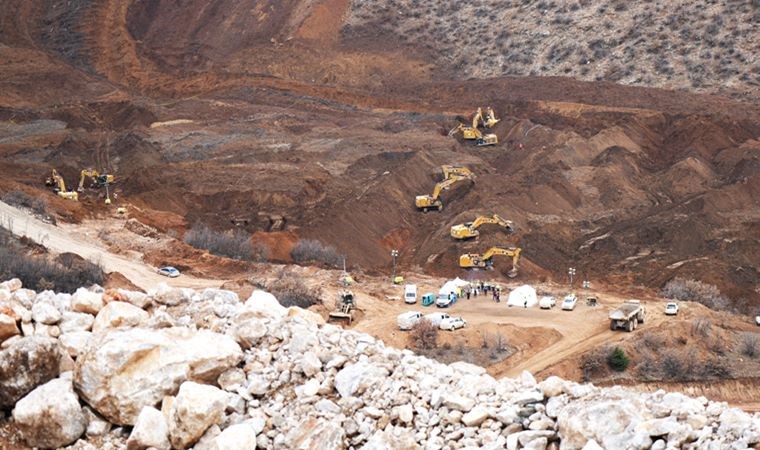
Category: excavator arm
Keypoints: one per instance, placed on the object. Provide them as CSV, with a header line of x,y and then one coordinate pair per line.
x,y
445,185
56,180
469,260
461,171
426,202
470,229
100,180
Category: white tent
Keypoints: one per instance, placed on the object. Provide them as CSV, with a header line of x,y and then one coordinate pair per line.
x,y
522,296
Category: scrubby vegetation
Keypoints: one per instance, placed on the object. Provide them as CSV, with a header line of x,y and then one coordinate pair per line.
x,y
235,244
38,205
292,291
666,43
313,251
617,360
39,272
695,291
424,335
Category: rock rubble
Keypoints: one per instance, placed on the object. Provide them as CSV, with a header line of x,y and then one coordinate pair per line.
x,y
182,369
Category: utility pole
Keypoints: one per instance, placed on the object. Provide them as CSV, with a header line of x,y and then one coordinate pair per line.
x,y
394,254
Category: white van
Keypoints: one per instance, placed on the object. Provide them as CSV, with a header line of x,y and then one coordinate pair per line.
x,y
410,294
407,320
436,318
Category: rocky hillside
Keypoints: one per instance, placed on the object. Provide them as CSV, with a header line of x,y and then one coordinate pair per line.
x,y
674,44
182,369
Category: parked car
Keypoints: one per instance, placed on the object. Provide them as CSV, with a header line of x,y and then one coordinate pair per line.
x,y
452,323
568,304
410,294
547,302
407,320
428,299
671,309
436,318
757,321
168,271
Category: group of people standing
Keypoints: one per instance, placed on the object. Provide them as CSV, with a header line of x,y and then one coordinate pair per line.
x,y
481,288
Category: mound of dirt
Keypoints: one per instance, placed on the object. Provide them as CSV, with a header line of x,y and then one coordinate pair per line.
x,y
296,119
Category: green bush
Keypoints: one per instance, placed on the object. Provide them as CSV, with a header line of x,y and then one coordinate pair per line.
x,y
618,360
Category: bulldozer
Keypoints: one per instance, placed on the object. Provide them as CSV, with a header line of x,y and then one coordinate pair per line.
x,y
428,202
98,179
470,229
345,305
473,260
59,186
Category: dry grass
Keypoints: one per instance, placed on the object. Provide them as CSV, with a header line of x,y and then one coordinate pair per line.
x,y
665,43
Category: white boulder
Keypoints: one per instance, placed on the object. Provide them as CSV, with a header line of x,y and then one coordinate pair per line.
x,y
194,410
150,431
119,315
86,301
124,370
50,416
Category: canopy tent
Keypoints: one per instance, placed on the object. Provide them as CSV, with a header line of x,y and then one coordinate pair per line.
x,y
523,296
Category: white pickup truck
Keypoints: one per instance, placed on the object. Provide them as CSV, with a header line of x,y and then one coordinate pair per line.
x,y
627,316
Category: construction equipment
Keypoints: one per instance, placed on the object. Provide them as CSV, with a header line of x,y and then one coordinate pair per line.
x,y
98,179
470,229
473,133
345,305
449,171
628,316
59,186
427,202
471,260
489,120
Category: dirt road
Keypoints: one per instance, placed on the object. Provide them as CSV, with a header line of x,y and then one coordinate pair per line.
x,y
72,238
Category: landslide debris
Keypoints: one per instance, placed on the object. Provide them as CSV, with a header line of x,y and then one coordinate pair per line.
x,y
179,378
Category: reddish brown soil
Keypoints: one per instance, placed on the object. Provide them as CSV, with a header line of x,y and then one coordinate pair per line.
x,y
284,117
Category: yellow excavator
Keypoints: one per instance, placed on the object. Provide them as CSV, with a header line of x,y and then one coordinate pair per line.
x,y
99,180
59,186
427,202
472,132
470,229
461,171
471,260
488,121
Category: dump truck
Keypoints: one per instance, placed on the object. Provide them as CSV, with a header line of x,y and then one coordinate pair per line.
x,y
627,316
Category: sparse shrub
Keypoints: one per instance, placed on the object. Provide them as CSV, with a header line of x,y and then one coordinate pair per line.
x,y
424,335
65,274
701,328
673,366
233,244
715,368
38,205
646,368
617,360
293,292
696,291
311,250
749,344
593,363
652,341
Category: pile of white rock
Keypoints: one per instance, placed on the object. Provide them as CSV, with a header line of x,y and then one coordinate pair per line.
x,y
179,369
